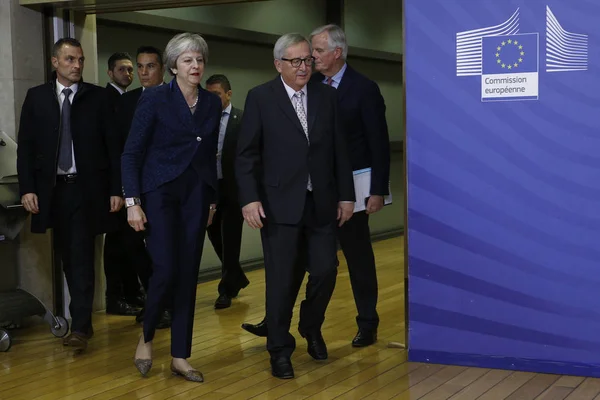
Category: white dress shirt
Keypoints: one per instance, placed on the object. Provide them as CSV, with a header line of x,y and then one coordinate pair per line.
x,y
291,93
61,98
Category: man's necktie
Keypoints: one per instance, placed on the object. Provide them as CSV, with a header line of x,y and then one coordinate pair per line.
x,y
65,152
330,81
299,107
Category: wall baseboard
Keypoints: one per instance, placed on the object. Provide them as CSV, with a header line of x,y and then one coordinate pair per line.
x,y
213,273
506,363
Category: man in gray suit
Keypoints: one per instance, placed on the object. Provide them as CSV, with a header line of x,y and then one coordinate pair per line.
x,y
225,233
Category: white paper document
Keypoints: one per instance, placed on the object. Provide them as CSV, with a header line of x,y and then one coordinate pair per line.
x,y
362,189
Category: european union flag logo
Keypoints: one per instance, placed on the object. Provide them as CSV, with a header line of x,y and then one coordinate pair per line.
x,y
510,54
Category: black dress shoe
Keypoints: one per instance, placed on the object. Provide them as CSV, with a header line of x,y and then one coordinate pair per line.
x,y
281,367
163,323
77,341
243,285
223,301
259,329
120,307
165,320
364,338
316,345
136,301
87,336
139,318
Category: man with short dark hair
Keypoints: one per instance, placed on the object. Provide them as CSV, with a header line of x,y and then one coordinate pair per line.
x,y
225,233
125,248
123,296
68,162
120,72
150,69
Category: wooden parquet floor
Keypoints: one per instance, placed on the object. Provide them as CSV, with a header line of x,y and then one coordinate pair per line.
x,y
235,364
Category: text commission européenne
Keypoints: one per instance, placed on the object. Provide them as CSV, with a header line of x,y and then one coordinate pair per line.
x,y
505,81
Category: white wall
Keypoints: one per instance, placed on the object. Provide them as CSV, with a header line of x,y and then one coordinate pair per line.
x,y
374,24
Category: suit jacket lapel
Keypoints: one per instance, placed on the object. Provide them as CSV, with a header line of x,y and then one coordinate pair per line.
x,y
313,106
232,124
80,91
202,109
230,130
346,82
112,89
285,103
179,105
55,105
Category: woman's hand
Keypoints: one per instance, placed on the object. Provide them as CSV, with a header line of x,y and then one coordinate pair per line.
x,y
136,218
211,214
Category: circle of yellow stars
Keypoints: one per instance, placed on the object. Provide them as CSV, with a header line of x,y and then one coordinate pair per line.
x,y
503,45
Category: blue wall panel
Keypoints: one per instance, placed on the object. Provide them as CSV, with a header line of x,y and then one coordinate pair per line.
x,y
503,153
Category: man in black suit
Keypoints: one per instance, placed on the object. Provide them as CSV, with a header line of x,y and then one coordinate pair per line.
x,y
126,248
150,72
295,181
362,117
225,232
68,161
120,72
123,296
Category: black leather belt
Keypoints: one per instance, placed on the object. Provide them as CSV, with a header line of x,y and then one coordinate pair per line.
x,y
68,178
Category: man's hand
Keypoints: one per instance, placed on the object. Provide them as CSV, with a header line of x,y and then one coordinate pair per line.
x,y
345,211
30,203
211,214
116,202
252,214
374,204
136,218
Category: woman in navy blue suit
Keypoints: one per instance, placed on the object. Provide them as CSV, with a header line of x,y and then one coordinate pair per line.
x,y
169,184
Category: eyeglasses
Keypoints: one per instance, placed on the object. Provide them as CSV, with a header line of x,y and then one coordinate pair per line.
x,y
296,62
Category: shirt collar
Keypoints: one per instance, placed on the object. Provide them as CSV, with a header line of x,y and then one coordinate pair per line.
x,y
227,109
60,87
121,91
144,88
337,78
291,91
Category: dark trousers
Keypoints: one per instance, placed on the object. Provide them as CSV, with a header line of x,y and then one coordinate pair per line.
x,y
355,239
281,246
177,214
74,242
225,234
125,258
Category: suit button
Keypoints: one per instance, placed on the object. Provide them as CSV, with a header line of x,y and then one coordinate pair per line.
x,y
199,139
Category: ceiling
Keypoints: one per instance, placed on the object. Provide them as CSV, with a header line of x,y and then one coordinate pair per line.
x,y
109,6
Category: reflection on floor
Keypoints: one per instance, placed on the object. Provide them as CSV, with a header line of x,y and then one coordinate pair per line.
x,y
236,365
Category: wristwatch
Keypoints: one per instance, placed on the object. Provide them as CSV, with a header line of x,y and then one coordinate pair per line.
x,y
132,201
